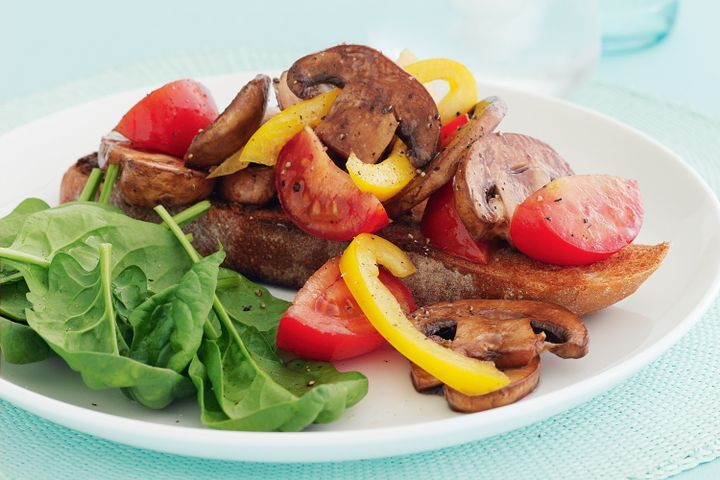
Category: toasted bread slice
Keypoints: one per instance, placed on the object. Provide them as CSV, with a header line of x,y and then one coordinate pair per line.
x,y
264,244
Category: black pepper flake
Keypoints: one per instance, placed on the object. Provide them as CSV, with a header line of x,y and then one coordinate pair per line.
x,y
94,404
282,184
585,220
247,308
296,187
558,200
549,219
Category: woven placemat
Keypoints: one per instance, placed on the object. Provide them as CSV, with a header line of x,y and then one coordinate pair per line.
x,y
660,422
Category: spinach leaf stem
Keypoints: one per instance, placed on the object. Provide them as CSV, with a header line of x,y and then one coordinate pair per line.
x,y
110,178
91,186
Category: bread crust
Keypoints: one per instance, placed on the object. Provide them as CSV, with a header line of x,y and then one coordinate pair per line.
x,y
262,243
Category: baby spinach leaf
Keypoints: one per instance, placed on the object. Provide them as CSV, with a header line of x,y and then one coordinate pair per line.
x,y
168,327
19,344
250,304
260,393
129,290
11,223
76,317
79,228
13,301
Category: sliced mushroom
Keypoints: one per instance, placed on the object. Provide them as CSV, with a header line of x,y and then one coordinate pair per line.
x,y
523,380
511,333
378,98
149,179
232,128
497,175
467,325
285,98
254,185
501,337
486,116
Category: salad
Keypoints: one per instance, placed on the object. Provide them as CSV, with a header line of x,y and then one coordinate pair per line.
x,y
404,220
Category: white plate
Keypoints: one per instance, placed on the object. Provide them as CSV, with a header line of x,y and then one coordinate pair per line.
x,y
393,419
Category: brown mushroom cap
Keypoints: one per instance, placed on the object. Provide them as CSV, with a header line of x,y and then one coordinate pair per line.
x,y
523,380
378,98
232,128
497,175
486,116
286,98
254,185
148,179
497,329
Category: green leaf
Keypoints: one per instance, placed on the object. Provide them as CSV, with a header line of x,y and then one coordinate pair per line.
x,y
10,224
79,228
260,393
76,317
77,312
250,304
13,300
168,326
19,344
129,290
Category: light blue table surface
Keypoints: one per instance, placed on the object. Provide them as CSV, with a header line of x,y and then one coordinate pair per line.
x,y
47,44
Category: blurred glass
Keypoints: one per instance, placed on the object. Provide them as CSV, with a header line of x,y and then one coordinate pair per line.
x,y
547,46
629,25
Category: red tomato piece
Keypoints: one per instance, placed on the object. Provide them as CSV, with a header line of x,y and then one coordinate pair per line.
x,y
326,323
578,220
167,119
443,226
319,197
450,129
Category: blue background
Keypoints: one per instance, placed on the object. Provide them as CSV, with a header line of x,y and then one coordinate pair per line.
x,y
48,44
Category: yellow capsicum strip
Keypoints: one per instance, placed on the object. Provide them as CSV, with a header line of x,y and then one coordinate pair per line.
x,y
383,179
265,144
463,88
359,267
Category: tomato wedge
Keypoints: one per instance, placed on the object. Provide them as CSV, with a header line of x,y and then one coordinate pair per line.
x,y
326,323
450,129
167,119
319,197
578,220
442,225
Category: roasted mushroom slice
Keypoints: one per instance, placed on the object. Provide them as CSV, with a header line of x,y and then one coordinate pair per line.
x,y
497,175
496,329
149,179
378,98
285,98
485,118
254,185
232,128
523,380
511,333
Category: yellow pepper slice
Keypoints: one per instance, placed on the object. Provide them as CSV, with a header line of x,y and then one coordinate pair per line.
x,y
383,179
462,95
265,144
359,267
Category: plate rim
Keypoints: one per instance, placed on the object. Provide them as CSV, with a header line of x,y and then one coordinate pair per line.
x,y
446,432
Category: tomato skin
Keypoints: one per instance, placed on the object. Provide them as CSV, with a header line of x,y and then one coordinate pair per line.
x,y
450,129
325,322
167,119
578,220
443,226
320,198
